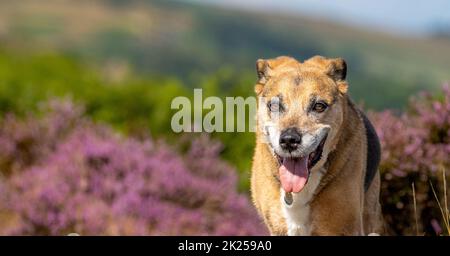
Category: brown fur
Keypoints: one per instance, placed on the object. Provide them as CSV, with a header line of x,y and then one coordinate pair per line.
x,y
339,205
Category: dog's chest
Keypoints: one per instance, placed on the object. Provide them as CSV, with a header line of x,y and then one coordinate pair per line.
x,y
297,214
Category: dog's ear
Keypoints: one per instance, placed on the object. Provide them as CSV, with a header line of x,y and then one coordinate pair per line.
x,y
334,68
265,69
262,70
337,69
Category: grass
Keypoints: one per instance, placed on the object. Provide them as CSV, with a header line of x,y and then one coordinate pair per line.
x,y
415,209
443,208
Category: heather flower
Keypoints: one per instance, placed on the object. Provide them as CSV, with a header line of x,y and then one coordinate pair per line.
x,y
87,179
415,149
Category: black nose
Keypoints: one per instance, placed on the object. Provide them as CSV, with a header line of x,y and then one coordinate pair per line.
x,y
290,139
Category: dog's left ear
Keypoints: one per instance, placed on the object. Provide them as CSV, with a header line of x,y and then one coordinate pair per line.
x,y
337,69
334,68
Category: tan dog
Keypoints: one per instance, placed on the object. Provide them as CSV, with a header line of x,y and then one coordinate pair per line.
x,y
315,163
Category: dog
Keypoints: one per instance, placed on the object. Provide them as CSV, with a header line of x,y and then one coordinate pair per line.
x,y
315,164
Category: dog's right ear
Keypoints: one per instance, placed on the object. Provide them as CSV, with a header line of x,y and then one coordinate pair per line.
x,y
262,70
270,67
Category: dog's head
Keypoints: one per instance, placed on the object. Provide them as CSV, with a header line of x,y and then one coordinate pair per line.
x,y
300,113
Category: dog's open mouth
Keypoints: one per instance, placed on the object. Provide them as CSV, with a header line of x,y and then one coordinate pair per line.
x,y
294,171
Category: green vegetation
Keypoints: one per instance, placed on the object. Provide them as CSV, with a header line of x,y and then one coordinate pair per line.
x,y
137,105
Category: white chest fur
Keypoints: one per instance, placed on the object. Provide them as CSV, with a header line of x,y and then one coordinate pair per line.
x,y
297,214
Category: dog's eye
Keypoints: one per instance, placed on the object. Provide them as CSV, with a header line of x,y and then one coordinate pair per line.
x,y
274,106
319,107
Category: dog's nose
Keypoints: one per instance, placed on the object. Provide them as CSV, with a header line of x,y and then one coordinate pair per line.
x,y
290,139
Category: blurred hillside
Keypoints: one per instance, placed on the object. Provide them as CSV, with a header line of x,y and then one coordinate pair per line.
x,y
187,41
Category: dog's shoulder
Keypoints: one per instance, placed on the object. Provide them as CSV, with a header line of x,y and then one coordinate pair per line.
x,y
373,151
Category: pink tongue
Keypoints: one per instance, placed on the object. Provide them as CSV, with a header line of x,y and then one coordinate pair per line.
x,y
294,174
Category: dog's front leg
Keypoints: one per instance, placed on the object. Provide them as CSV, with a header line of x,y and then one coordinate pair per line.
x,y
337,216
349,225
